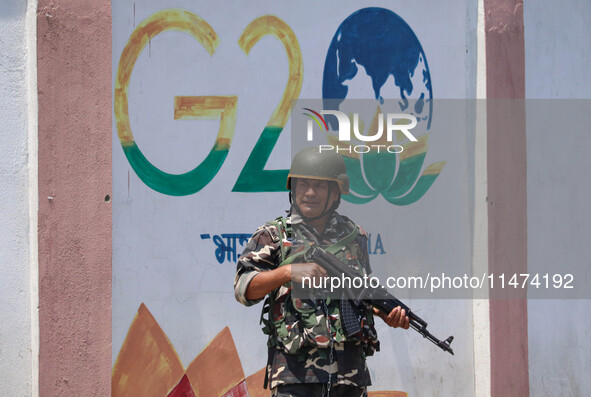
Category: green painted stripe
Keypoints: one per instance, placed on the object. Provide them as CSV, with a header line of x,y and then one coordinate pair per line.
x,y
254,177
175,184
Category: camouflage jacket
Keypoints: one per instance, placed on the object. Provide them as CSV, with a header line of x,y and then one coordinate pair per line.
x,y
339,360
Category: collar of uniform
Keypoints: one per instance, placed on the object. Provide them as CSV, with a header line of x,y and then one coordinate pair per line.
x,y
332,225
295,218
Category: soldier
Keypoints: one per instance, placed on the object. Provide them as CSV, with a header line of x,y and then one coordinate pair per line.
x,y
310,351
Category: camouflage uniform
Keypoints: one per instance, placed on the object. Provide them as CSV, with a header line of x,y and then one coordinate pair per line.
x,y
299,352
318,389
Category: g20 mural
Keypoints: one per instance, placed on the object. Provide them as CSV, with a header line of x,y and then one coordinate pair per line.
x,y
374,38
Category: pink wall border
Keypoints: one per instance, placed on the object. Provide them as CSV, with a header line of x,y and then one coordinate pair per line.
x,y
75,226
507,193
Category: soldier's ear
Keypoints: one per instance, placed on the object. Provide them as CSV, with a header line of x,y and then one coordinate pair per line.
x,y
335,192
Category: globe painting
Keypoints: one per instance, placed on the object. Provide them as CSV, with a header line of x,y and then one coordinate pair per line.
x,y
375,60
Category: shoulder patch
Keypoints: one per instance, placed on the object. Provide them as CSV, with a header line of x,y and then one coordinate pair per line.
x,y
273,232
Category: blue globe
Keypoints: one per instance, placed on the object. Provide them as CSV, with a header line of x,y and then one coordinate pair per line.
x,y
374,53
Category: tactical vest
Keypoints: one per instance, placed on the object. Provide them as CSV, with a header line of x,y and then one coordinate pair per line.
x,y
295,325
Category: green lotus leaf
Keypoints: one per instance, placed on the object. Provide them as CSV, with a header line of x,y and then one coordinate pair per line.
x,y
355,199
379,169
356,180
379,175
408,173
421,187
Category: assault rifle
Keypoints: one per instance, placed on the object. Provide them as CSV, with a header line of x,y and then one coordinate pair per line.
x,y
379,297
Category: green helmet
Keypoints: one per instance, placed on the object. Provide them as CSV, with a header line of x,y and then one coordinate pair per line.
x,y
311,163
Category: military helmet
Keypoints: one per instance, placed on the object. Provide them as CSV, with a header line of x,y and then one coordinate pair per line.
x,y
311,163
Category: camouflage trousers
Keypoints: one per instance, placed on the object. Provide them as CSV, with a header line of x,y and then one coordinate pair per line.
x,y
317,390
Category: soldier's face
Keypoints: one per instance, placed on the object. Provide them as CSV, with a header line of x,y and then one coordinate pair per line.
x,y
313,196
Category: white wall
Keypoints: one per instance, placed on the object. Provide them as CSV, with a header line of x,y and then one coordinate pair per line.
x,y
159,257
557,59
17,270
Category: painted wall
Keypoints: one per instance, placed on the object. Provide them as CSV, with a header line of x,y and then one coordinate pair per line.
x,y
506,193
559,220
168,284
16,261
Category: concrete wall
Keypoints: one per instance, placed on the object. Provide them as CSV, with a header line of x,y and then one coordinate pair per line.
x,y
18,300
557,59
74,74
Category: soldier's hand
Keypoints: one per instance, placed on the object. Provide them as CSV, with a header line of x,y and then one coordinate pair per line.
x,y
396,319
310,270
